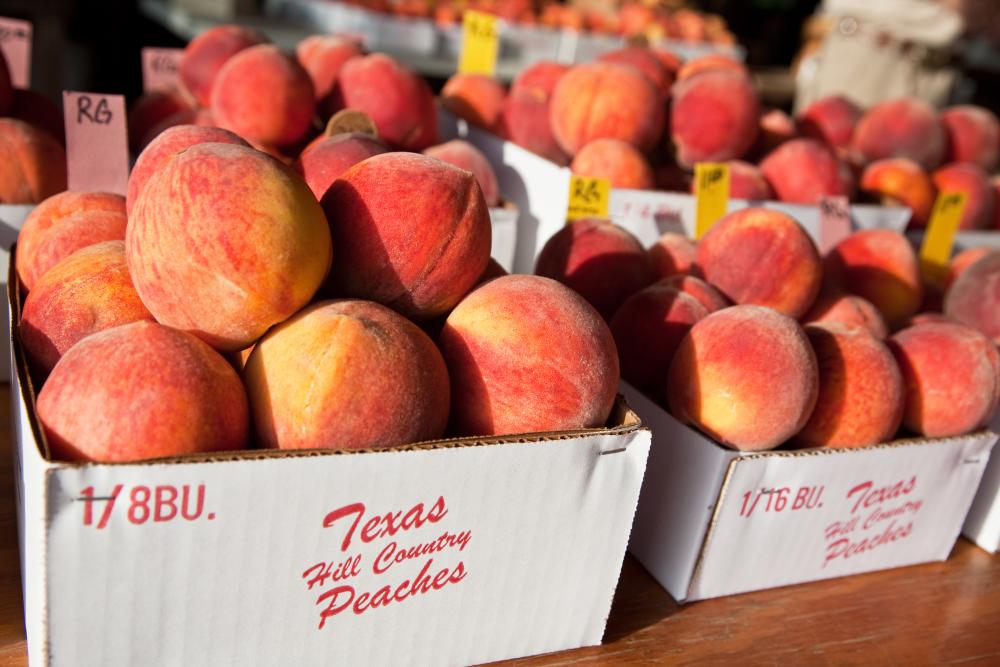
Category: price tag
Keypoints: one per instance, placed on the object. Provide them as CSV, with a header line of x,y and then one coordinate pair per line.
x,y
834,222
588,197
480,44
711,195
15,42
160,68
96,142
935,252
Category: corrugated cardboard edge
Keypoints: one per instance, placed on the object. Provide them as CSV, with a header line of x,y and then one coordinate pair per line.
x,y
731,469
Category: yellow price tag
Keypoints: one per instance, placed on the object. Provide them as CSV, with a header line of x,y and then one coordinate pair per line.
x,y
588,197
935,252
711,195
480,44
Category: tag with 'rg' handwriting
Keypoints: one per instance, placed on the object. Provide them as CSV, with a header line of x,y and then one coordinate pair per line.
x,y
588,197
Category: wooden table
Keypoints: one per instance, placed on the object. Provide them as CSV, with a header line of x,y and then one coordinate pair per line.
x,y
942,613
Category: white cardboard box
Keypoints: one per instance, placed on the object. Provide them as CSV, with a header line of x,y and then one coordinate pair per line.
x,y
503,221
982,525
11,218
713,521
234,559
540,190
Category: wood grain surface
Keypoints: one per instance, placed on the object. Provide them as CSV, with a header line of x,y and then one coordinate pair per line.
x,y
941,613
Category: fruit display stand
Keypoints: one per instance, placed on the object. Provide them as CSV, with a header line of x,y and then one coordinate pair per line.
x,y
713,521
11,217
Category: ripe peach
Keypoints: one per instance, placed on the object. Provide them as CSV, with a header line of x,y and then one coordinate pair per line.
x,y
323,56
973,135
63,224
831,120
465,156
36,109
525,121
142,391
880,266
605,101
476,98
164,147
278,117
905,127
151,110
400,102
850,311
713,117
901,182
804,170
540,78
774,127
205,55
763,257
508,377
746,181
974,298
647,329
951,376
706,295
711,62
615,160
87,292
346,374
981,199
963,260
724,372
227,261
671,254
861,395
644,60
324,160
34,164
374,209
601,261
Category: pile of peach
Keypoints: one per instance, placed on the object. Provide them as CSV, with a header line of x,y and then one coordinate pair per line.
x,y
754,338
642,119
31,143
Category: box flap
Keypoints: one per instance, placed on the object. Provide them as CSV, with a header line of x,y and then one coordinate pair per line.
x,y
982,525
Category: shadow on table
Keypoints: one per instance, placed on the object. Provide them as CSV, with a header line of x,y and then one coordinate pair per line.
x,y
639,603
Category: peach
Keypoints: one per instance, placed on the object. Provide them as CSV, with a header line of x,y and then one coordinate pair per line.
x,y
706,295
711,62
848,310
802,171
951,374
925,318
963,260
525,121
375,209
601,261
605,101
540,78
905,127
476,98
346,374
725,371
323,56
973,135
881,266
36,109
264,96
400,102
644,60
63,224
775,127
713,117
465,156
861,395
323,161
901,182
831,120
87,292
34,164
149,111
617,161
981,199
226,242
199,117
206,54
672,254
164,147
670,60
974,298
763,257
746,181
142,391
526,354
493,270
647,329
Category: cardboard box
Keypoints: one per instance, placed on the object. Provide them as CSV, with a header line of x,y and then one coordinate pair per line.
x,y
982,525
540,190
503,221
713,521
11,218
444,553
